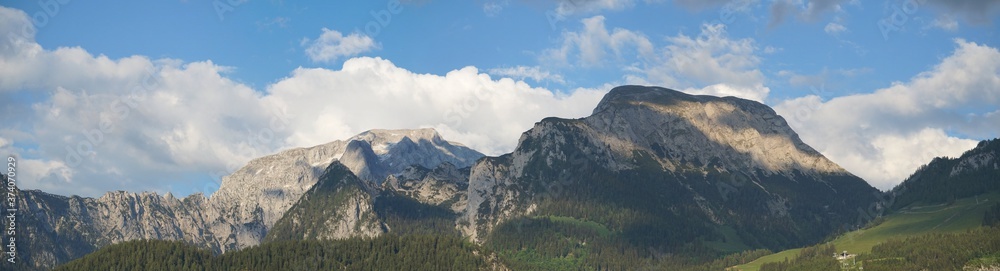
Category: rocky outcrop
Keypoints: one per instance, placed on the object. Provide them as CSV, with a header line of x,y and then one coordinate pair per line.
x,y
976,162
443,185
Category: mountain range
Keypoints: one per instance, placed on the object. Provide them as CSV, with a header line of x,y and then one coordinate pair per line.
x,y
651,172
238,215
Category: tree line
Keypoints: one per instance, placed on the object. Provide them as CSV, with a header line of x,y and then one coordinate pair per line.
x,y
387,252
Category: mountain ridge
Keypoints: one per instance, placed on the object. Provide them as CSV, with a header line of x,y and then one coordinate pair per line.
x,y
945,179
653,168
667,138
238,215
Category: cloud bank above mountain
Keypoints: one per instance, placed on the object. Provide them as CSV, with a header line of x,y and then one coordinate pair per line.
x,y
885,135
85,124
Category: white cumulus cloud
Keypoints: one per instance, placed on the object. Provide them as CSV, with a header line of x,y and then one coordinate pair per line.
x,y
467,105
139,124
885,135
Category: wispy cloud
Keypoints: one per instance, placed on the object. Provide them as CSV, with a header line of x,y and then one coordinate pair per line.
x,y
834,28
332,45
534,73
279,22
709,63
592,45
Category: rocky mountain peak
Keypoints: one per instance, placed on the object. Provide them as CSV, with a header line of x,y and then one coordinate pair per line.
x,y
633,95
681,151
703,130
258,194
396,150
381,139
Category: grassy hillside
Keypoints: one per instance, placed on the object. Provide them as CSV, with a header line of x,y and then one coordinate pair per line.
x,y
916,219
974,249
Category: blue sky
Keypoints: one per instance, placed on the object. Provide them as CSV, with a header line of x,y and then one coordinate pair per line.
x,y
261,40
880,87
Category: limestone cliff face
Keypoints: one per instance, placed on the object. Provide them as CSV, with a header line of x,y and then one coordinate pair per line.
x,y
726,161
727,132
253,198
442,185
55,228
248,203
983,160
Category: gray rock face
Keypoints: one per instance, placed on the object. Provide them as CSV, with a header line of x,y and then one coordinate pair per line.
x,y
56,228
728,132
254,197
247,204
488,203
444,184
399,149
975,162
